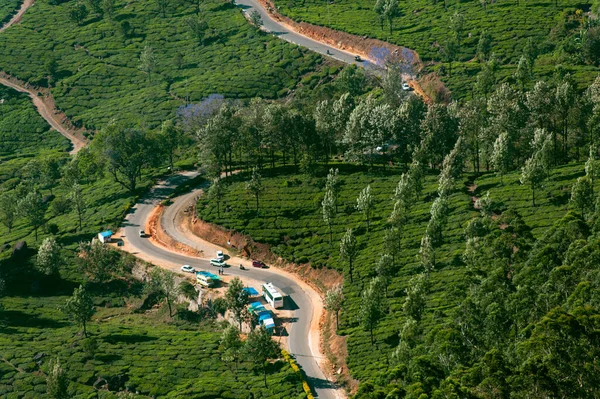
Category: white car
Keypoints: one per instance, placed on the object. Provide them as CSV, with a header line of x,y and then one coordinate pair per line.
x,y
187,269
406,87
218,262
220,255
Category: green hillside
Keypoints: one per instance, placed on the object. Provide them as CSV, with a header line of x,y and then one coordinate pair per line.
x,y
94,65
290,219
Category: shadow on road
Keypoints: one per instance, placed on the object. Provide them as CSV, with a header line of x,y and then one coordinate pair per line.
x,y
289,304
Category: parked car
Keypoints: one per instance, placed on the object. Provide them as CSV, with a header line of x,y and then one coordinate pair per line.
x,y
357,58
142,233
187,269
406,87
259,263
220,255
218,262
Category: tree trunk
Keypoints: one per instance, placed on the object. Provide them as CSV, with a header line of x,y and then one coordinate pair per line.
x,y
330,235
84,329
265,373
337,320
218,210
256,204
533,194
350,269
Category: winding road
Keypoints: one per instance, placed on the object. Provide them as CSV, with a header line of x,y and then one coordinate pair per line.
x,y
300,340
284,32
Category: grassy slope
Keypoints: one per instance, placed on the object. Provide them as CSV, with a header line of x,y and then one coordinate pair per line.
x,y
98,76
291,220
23,133
175,359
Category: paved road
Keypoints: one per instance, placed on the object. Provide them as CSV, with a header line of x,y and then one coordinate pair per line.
x,y
281,31
298,301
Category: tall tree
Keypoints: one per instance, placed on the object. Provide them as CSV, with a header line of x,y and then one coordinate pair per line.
x,y
80,308
372,308
391,11
170,138
127,151
237,300
334,299
33,209
231,347
260,347
329,204
9,210
148,62
582,195
392,243
78,202
162,282
197,27
591,166
380,11
484,46
57,383
383,269
414,303
523,73
365,204
348,250
254,186
216,193
501,155
333,183
427,254
533,174
49,257
457,25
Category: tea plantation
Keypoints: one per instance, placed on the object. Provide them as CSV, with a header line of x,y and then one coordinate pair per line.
x,y
290,219
424,23
140,352
8,8
24,134
94,67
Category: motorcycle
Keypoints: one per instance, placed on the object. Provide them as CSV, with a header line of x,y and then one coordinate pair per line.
x,y
242,267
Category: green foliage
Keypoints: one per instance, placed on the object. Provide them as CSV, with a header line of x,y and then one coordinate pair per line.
x,y
98,77
57,384
237,300
7,9
80,308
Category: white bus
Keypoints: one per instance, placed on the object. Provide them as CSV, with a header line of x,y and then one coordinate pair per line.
x,y
272,296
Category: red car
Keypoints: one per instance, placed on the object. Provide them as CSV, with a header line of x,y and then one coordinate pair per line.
x,y
259,263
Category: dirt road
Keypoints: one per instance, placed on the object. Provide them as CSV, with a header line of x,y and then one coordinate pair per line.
x,y
54,117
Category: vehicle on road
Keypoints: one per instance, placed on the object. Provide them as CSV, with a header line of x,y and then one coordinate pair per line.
x,y
406,87
259,264
272,296
142,233
187,269
218,262
357,58
207,279
220,255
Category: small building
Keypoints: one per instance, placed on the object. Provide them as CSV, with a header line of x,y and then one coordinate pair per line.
x,y
105,236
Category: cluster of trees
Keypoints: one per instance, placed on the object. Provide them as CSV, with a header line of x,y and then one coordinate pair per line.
x,y
259,346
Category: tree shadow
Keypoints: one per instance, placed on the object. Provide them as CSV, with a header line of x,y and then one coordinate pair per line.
x,y
16,318
289,303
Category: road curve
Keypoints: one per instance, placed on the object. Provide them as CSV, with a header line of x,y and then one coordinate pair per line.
x,y
284,32
300,301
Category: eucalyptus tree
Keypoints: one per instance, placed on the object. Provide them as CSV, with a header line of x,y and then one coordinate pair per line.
x,y
349,250
162,282
216,193
231,347
438,220
484,46
57,383
582,195
439,131
148,61
33,209
591,166
237,300
565,102
217,140
255,186
334,300
78,202
392,242
457,25
372,307
533,174
427,254
329,210
501,157
414,302
365,204
260,347
383,270
523,73
541,102
391,11
171,139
